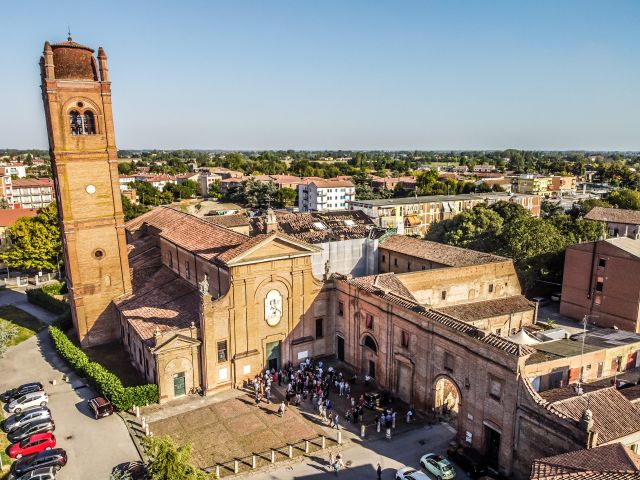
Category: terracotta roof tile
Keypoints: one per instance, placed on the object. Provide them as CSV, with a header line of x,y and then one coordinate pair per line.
x,y
613,415
10,216
438,252
616,215
228,221
468,312
611,462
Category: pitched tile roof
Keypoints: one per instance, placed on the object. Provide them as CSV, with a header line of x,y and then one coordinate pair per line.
x,y
469,312
438,252
613,415
615,215
161,300
10,216
228,221
209,241
610,462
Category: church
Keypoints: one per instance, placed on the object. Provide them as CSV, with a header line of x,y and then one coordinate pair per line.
x,y
200,307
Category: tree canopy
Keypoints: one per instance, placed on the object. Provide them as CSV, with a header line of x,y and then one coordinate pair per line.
x,y
35,242
168,461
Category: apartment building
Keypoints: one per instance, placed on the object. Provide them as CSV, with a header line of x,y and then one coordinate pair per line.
x,y
534,185
32,192
16,169
325,195
414,215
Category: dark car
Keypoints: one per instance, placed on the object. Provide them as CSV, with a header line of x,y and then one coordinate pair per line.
x,y
14,393
56,458
377,399
101,407
470,460
25,431
135,470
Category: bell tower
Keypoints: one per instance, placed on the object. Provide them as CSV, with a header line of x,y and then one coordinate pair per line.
x,y
77,102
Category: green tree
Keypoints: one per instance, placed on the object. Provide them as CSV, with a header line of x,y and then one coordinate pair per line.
x,y
168,461
35,242
583,207
625,198
286,197
478,229
126,168
214,189
131,210
184,190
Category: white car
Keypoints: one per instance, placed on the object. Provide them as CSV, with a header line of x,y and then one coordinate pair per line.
x,y
438,466
28,400
45,473
408,473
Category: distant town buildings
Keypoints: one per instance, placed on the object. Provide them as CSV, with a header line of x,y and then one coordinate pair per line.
x,y
414,215
602,281
546,185
32,192
325,195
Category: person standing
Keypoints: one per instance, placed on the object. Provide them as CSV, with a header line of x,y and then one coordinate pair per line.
x,y
281,409
379,472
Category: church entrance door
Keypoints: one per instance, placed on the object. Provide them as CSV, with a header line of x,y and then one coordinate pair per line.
x,y
273,355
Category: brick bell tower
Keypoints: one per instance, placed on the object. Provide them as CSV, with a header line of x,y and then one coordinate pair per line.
x,y
77,102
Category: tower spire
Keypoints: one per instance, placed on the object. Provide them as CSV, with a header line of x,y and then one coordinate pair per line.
x,y
69,33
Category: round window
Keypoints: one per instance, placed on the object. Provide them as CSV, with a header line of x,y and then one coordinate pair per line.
x,y
99,254
80,104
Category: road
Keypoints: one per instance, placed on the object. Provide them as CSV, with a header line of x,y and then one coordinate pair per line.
x,y
362,459
93,447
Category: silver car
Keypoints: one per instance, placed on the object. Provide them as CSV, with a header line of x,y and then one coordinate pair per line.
x,y
16,421
28,400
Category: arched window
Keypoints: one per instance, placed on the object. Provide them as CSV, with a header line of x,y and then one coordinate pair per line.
x,y
89,123
75,122
82,124
369,342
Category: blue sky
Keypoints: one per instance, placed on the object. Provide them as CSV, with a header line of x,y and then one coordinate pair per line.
x,y
367,74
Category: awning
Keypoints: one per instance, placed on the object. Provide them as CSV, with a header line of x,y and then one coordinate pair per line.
x,y
411,221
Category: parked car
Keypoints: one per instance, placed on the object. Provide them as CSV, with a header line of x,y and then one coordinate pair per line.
x,y
34,444
101,407
55,458
470,460
14,393
16,421
408,473
25,431
377,399
541,301
135,470
556,297
28,400
44,473
438,466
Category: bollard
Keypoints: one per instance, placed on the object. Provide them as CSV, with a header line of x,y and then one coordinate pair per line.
x,y
323,442
273,456
393,422
378,427
217,471
290,451
339,437
235,466
137,411
388,434
362,431
253,462
306,446
144,422
54,381
146,430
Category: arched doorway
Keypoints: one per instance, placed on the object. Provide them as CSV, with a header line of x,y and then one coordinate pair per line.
x,y
446,398
369,355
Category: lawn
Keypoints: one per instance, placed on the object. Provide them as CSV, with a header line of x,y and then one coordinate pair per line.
x,y
28,325
4,443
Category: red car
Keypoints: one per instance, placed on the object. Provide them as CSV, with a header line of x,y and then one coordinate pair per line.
x,y
34,444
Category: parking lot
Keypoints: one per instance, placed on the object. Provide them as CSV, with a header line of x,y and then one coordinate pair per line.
x,y
93,447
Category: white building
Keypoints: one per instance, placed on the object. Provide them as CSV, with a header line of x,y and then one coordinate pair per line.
x,y
16,169
325,195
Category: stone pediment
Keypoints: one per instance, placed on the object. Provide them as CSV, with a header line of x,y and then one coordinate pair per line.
x,y
176,342
272,248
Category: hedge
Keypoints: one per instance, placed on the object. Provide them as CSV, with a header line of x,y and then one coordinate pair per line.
x,y
105,382
39,297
